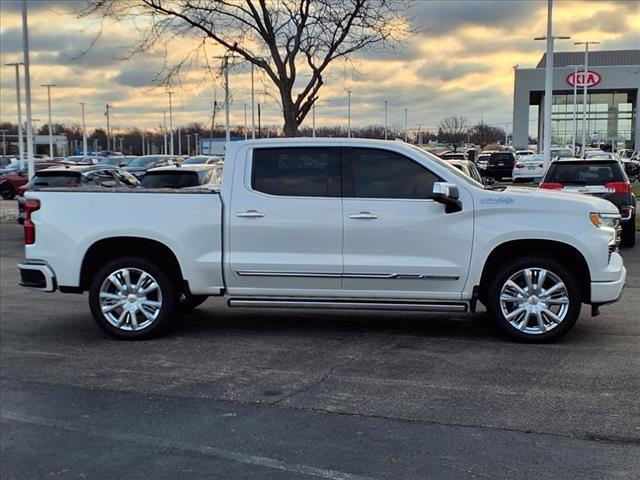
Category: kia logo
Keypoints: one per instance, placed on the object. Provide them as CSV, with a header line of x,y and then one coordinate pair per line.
x,y
592,78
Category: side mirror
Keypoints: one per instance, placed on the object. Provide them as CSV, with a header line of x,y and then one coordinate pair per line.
x,y
447,194
488,181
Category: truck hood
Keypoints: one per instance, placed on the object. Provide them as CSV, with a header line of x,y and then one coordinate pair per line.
x,y
536,198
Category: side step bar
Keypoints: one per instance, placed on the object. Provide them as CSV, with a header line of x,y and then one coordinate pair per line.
x,y
351,304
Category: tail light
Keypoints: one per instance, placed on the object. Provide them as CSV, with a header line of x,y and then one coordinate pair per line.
x,y
519,165
552,186
619,187
30,206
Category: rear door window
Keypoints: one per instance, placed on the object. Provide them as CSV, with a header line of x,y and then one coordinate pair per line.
x,y
56,179
170,180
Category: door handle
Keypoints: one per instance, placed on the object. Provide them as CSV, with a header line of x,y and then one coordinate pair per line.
x,y
363,216
250,214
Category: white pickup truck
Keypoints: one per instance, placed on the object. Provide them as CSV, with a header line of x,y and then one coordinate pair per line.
x,y
333,224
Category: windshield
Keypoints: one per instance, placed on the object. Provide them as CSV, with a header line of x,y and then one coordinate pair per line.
x,y
55,179
170,179
142,162
112,161
15,165
450,168
584,173
195,160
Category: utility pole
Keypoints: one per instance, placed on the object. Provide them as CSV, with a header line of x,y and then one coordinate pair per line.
x,y
48,86
164,130
313,117
253,117
107,107
548,84
585,77
386,105
84,132
171,120
349,114
406,127
27,88
20,134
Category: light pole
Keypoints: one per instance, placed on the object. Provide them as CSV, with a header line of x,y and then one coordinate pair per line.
x,y
27,87
108,107
227,133
386,105
179,141
575,107
171,121
349,115
20,135
48,86
313,118
142,134
4,143
548,84
164,130
197,146
188,144
406,129
585,77
84,132
253,113
245,121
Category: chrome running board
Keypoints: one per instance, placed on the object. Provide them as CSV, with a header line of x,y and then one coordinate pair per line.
x,y
351,304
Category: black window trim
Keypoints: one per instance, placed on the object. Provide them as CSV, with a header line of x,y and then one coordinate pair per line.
x,y
339,182
348,190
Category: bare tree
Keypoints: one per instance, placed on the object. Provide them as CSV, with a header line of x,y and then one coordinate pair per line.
x,y
453,131
292,41
483,134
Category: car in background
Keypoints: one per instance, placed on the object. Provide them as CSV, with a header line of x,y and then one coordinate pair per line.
x,y
6,161
470,169
496,164
528,168
183,176
203,160
600,177
11,180
82,160
524,153
454,156
140,165
117,161
601,155
562,153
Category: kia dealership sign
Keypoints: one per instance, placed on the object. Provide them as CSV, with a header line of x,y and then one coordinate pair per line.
x,y
592,78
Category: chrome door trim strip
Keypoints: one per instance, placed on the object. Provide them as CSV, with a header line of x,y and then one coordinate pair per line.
x,y
381,276
347,305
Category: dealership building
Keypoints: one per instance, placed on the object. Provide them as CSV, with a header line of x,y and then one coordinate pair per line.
x,y
613,102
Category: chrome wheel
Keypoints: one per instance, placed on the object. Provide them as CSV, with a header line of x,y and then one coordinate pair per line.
x,y
534,301
130,299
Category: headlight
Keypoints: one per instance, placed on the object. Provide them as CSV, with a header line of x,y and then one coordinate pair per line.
x,y
609,220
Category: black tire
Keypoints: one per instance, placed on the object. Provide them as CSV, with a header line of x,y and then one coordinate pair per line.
x,y
571,285
188,303
165,313
628,236
7,193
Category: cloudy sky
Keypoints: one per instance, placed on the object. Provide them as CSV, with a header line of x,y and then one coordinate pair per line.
x,y
460,63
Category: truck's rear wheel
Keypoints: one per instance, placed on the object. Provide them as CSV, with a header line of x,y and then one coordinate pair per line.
x,y
534,299
131,298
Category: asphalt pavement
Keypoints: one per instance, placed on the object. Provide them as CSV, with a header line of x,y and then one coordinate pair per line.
x,y
247,394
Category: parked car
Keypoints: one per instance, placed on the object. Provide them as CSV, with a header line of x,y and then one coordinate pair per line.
x,y
203,159
328,223
117,161
182,177
562,153
6,161
496,164
453,156
601,155
604,178
528,168
13,179
140,165
82,160
470,169
524,153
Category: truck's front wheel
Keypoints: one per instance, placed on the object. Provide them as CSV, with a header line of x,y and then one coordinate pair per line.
x,y
534,299
131,298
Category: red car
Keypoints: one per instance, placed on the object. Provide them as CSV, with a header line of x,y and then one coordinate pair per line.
x,y
12,179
